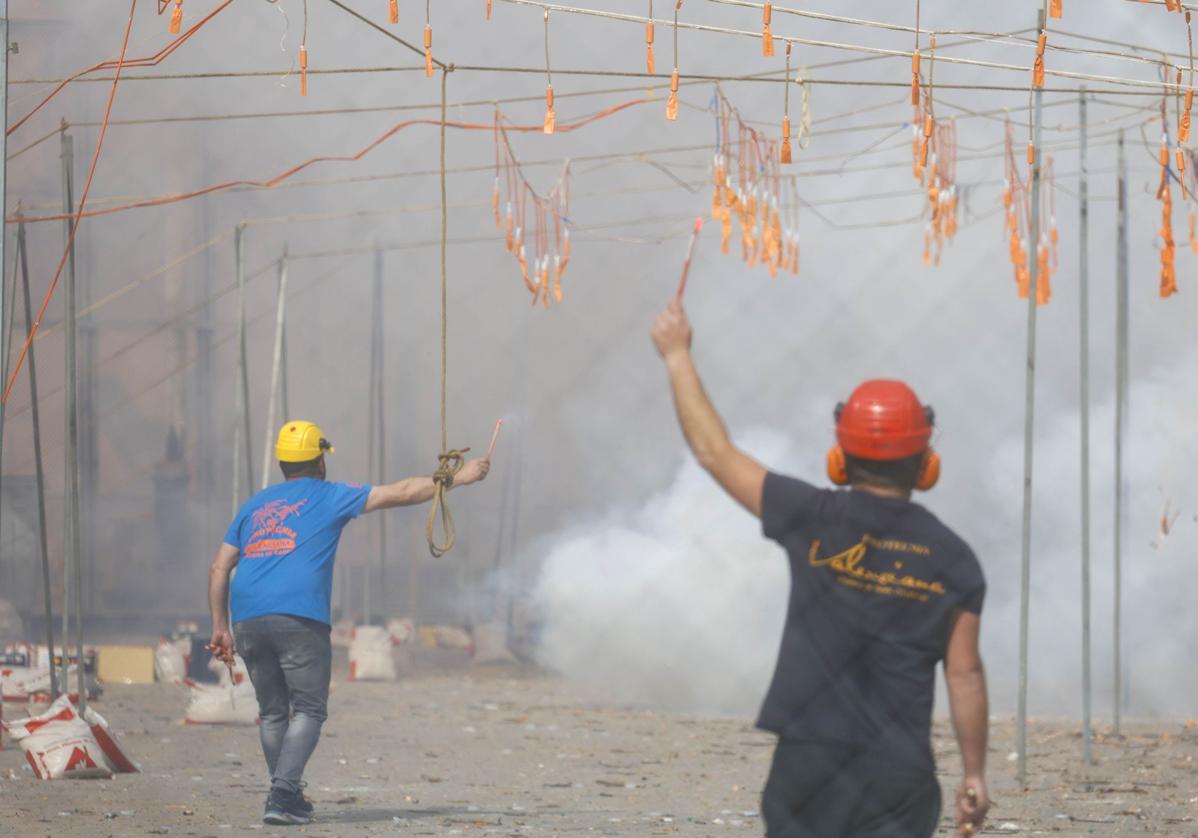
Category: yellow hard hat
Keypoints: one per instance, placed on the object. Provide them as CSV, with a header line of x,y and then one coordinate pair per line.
x,y
299,442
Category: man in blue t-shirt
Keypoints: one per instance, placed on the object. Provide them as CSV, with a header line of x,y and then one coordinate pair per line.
x,y
283,543
881,593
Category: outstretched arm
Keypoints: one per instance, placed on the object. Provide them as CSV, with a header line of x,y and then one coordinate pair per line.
x,y
739,474
966,680
417,490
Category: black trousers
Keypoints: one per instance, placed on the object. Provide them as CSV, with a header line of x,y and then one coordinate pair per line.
x,y
821,790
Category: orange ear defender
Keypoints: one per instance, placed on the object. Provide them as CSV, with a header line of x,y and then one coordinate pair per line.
x,y
929,472
838,472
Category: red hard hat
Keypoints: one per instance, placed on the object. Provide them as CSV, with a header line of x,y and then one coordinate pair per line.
x,y
883,420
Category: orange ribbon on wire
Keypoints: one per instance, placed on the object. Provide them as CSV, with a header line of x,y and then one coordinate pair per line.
x,y
176,18
393,11
767,37
550,115
303,58
1038,65
428,50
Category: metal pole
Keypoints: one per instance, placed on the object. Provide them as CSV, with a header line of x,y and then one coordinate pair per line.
x,y
1028,433
241,390
4,133
380,424
71,456
1084,400
243,363
372,399
275,369
1121,332
8,304
35,417
65,143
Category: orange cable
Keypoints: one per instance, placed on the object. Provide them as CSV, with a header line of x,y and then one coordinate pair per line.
x,y
279,178
91,172
149,61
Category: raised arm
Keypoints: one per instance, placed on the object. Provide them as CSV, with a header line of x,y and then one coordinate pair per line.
x,y
223,563
740,475
417,490
966,680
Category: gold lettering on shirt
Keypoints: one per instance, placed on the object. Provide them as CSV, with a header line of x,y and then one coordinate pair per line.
x,y
847,565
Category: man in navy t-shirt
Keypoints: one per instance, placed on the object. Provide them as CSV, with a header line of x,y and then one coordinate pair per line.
x,y
283,543
881,592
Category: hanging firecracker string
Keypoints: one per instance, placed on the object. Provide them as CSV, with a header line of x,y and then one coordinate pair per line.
x,y
543,267
767,37
393,11
428,38
488,9
672,102
550,115
1183,121
915,56
1017,207
303,54
650,64
1038,64
752,193
1168,285
785,155
1055,9
176,18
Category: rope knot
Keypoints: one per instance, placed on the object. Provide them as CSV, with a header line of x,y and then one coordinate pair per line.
x,y
449,463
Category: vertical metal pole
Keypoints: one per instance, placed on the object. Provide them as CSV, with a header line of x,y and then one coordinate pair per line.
x,y
65,149
243,363
1121,332
39,473
275,369
71,457
8,308
4,133
372,399
240,390
1029,427
380,423
1084,400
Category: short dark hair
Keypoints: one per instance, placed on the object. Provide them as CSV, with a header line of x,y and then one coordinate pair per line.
x,y
892,474
308,468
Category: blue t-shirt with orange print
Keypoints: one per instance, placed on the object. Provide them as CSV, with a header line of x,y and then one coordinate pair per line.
x,y
287,535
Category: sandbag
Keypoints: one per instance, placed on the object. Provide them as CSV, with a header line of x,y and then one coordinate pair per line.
x,y
342,634
490,644
170,661
232,704
370,655
60,745
401,630
452,637
19,683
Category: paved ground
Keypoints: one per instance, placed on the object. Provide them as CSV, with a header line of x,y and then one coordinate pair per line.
x,y
522,753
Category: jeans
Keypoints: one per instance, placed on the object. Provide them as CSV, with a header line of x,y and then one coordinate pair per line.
x,y
817,790
290,662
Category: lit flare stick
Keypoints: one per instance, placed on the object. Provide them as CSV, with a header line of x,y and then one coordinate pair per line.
x,y
494,436
686,266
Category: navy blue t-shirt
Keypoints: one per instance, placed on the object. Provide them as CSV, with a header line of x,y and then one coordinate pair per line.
x,y
287,535
875,583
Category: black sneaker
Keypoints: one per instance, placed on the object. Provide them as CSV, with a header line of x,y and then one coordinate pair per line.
x,y
284,808
302,801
